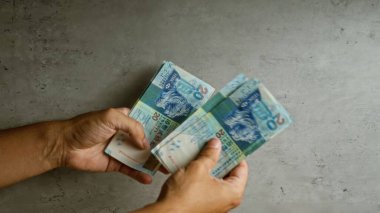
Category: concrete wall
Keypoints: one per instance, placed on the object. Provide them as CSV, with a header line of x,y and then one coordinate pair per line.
x,y
321,59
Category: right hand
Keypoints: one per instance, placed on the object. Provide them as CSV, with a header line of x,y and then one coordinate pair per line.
x,y
193,189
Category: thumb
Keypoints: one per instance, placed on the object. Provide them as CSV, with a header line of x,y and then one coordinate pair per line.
x,y
123,110
119,121
210,154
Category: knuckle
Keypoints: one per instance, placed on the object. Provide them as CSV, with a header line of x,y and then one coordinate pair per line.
x,y
137,126
108,113
238,192
204,155
125,109
180,172
207,159
236,202
196,166
178,176
134,124
213,160
235,196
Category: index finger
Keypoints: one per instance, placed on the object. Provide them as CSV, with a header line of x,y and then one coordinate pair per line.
x,y
119,121
239,175
210,153
124,110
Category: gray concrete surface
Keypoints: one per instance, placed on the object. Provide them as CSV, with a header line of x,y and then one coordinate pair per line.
x,y
321,59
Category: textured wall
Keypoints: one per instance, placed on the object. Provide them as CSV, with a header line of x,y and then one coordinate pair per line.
x,y
321,59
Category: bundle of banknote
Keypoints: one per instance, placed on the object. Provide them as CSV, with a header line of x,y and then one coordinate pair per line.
x,y
179,116
171,97
243,115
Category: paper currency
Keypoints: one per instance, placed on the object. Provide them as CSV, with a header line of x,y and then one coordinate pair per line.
x,y
245,120
170,98
205,108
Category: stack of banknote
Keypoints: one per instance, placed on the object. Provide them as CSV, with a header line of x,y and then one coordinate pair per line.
x,y
171,97
180,116
243,115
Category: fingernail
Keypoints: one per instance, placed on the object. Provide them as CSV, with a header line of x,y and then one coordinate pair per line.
x,y
214,143
146,144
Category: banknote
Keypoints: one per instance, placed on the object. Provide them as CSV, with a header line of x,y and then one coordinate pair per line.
x,y
205,108
244,121
171,97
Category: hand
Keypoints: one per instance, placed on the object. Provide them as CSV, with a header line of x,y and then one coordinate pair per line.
x,y
85,137
193,189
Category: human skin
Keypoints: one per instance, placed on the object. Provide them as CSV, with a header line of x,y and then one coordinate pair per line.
x,y
76,143
79,143
193,189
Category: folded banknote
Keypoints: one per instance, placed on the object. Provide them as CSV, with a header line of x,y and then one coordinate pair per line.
x,y
243,121
171,97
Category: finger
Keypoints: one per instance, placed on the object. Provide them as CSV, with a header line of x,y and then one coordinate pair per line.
x,y
135,131
163,170
239,175
210,153
139,176
124,110
113,165
128,139
134,128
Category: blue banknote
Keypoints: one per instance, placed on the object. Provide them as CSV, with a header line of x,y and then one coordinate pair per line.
x,y
243,121
205,108
171,97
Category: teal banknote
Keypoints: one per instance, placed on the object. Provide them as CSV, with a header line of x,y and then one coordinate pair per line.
x,y
210,104
244,121
171,97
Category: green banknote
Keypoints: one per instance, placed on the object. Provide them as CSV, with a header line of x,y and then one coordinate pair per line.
x,y
171,97
210,104
245,120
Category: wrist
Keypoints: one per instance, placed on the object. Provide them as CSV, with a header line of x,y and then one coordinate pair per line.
x,y
160,207
54,150
163,206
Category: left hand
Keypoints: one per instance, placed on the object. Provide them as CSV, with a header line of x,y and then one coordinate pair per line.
x,y
85,137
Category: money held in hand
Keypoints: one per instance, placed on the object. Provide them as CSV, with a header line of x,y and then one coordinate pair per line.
x,y
171,97
243,121
179,117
